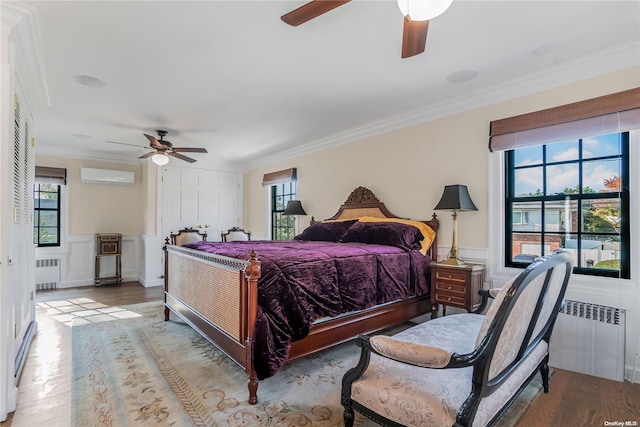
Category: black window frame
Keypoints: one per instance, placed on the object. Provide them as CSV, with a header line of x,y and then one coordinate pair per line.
x,y
623,195
282,226
37,188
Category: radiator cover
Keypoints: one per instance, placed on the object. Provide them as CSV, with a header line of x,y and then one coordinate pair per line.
x,y
590,339
47,274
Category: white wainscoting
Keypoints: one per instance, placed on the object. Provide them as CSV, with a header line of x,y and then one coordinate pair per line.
x,y
141,260
151,261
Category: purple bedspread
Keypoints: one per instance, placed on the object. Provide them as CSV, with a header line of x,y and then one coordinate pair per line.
x,y
303,280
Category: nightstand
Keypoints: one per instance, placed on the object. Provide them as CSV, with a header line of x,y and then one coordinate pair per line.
x,y
455,286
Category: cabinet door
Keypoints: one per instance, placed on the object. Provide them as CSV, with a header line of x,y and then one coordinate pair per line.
x,y
196,197
21,255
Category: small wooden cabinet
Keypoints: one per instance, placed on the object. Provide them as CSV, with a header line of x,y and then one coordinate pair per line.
x,y
455,286
108,245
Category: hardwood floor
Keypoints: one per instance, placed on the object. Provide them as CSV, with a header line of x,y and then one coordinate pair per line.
x,y
44,393
44,390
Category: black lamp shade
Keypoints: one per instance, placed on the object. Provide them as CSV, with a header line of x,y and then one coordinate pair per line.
x,y
456,197
294,207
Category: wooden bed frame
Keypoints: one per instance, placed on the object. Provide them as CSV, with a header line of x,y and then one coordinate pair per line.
x,y
217,296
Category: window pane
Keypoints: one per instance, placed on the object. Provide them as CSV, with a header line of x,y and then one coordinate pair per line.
x,y
48,204
562,151
528,182
52,188
48,218
525,246
48,235
601,216
562,179
600,146
279,203
601,176
528,156
601,252
530,214
561,215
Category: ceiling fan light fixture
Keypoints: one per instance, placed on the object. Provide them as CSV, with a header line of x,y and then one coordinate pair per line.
x,y
160,159
423,10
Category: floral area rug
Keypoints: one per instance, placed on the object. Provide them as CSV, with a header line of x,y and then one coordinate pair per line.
x,y
143,371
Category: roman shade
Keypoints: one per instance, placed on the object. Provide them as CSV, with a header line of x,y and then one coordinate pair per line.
x,y
279,177
51,175
617,112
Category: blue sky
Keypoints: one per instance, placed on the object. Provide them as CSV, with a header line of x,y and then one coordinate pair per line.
x,y
566,175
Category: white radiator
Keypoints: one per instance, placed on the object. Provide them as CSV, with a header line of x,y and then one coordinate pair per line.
x,y
47,274
589,338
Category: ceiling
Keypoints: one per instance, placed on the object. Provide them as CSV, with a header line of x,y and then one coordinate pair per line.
x,y
230,76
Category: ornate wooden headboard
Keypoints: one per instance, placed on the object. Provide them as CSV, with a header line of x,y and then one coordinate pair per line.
x,y
362,202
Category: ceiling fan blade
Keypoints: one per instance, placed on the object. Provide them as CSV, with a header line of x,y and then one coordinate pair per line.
x,y
124,143
181,157
149,154
189,150
414,37
311,10
154,142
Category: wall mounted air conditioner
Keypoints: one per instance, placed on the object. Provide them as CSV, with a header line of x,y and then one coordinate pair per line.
x,y
106,176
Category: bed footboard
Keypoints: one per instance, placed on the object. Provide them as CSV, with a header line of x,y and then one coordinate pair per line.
x,y
217,296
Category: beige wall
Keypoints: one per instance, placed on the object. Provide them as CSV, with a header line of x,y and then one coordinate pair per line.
x,y
408,168
95,208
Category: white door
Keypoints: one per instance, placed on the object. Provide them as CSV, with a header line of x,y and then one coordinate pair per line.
x,y
18,254
209,200
22,255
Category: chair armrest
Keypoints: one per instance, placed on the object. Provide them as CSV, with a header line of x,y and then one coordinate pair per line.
x,y
425,356
493,293
485,294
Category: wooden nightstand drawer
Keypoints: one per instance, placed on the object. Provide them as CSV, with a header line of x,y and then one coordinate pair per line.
x,y
451,300
454,276
444,288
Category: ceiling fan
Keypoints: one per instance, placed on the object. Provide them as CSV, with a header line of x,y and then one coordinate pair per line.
x,y
417,14
163,149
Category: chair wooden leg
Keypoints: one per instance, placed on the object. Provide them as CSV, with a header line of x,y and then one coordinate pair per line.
x,y
544,372
349,417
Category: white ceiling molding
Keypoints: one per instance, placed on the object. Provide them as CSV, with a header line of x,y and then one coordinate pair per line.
x,y
624,57
20,21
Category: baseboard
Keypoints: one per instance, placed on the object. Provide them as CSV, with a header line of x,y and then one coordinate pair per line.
x,y
21,357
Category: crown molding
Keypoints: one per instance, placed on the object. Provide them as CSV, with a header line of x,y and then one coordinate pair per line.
x,y
20,24
625,56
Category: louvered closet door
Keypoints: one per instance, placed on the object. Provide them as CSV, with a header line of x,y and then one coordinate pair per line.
x,y
22,258
196,197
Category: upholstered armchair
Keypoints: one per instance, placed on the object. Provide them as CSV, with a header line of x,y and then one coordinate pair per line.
x,y
463,369
235,234
186,235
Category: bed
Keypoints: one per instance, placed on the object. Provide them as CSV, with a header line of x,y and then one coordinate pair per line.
x,y
333,290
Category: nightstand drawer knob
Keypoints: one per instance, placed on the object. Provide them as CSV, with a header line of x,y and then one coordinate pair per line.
x,y
448,299
449,288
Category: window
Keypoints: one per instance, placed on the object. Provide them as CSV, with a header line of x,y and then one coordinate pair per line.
x,y
282,226
572,195
46,223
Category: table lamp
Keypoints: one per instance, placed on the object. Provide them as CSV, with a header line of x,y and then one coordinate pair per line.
x,y
294,208
455,198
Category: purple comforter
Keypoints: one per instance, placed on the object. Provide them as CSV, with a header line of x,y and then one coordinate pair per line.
x,y
304,280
